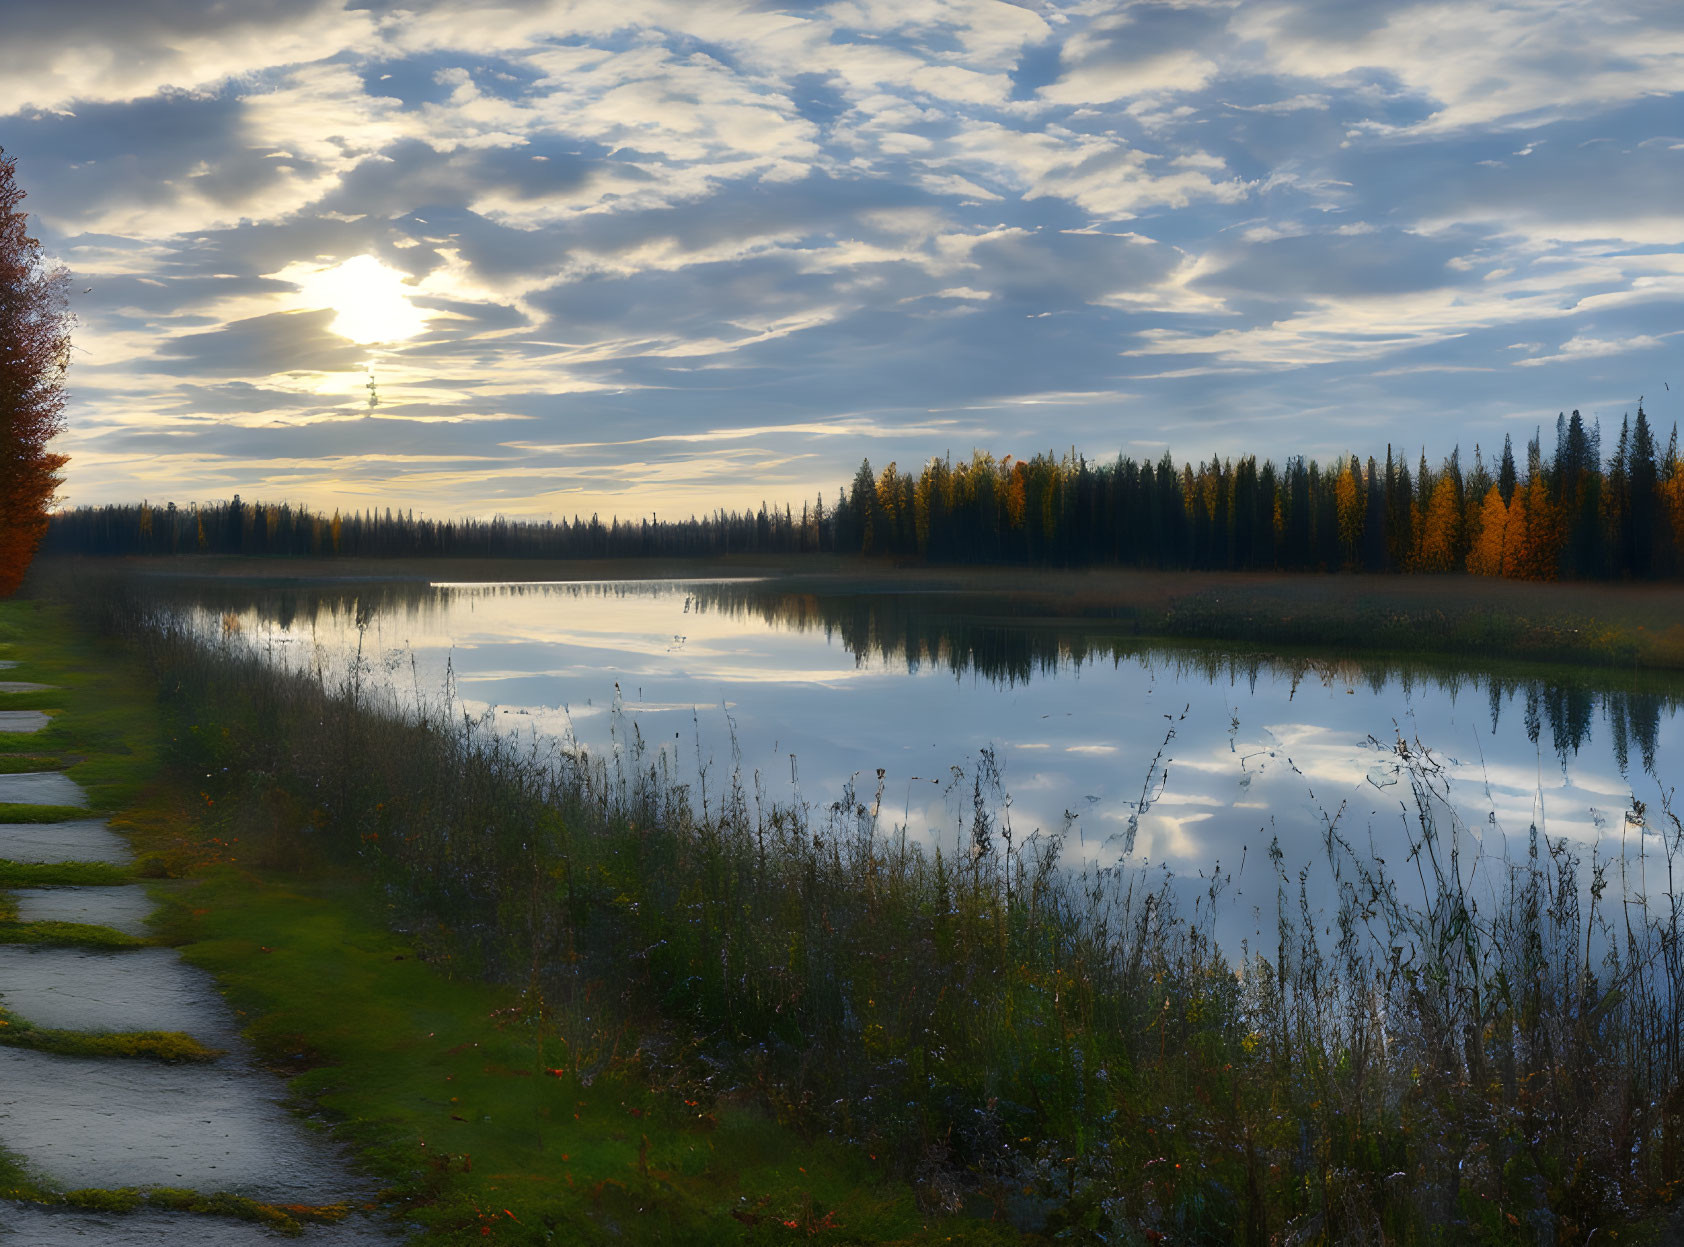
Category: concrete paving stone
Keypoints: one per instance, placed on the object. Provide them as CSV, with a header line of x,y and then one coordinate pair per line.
x,y
80,840
41,788
80,1122
122,908
24,686
107,1123
143,989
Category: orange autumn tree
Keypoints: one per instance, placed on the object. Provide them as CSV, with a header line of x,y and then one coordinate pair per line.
x,y
1545,531
1485,558
1671,491
34,354
1441,529
1349,502
1670,495
1532,536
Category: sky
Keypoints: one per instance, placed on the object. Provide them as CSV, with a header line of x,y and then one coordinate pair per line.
x,y
632,256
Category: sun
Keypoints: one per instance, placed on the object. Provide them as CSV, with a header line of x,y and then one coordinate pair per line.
x,y
370,301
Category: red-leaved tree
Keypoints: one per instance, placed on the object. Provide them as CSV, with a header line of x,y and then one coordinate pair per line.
x,y
34,354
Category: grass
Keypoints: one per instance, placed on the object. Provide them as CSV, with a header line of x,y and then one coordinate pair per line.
x,y
464,1101
554,1001
285,1217
169,1046
966,1046
104,735
24,812
19,764
49,874
69,935
17,1183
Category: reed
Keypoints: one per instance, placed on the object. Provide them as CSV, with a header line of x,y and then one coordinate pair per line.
x,y
1478,1047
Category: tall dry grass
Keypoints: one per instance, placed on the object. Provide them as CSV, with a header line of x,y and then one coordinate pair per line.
x,y
1477,1049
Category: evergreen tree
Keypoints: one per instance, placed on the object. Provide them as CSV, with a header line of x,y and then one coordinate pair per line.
x,y
1669,494
1578,494
1374,536
1400,514
1479,483
1644,475
1616,505
862,502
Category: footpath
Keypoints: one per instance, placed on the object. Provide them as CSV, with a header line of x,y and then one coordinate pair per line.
x,y
131,1112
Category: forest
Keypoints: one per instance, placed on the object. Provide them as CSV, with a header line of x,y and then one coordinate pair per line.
x,y
1570,511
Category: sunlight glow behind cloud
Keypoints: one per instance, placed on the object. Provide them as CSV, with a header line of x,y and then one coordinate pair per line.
x,y
369,300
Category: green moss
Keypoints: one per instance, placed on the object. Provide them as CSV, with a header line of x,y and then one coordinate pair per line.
x,y
16,1182
122,1199
22,764
48,874
288,1217
173,1047
23,812
66,934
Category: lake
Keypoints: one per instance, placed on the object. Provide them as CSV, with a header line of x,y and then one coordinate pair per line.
x,y
1183,758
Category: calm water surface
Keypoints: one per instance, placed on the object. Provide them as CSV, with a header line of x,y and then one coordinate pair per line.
x,y
1184,758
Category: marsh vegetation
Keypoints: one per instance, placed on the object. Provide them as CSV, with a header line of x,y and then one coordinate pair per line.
x,y
1472,1043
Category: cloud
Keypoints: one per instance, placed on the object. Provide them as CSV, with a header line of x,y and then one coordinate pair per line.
x,y
1146,49
1581,347
752,238
261,346
56,57
1515,64
1331,263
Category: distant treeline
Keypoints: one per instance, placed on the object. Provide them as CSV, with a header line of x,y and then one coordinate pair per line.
x,y
1571,513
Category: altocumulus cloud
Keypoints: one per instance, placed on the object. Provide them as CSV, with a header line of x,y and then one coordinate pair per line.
x,y
624,255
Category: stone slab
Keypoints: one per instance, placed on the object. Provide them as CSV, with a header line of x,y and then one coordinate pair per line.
x,y
23,720
41,788
122,908
143,989
80,840
86,1122
24,686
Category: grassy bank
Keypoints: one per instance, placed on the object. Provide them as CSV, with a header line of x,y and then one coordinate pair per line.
x,y
102,733
1597,624
459,1095
1615,625
724,991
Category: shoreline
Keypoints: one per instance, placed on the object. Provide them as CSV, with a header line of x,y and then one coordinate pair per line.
x,y
434,945
1635,627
